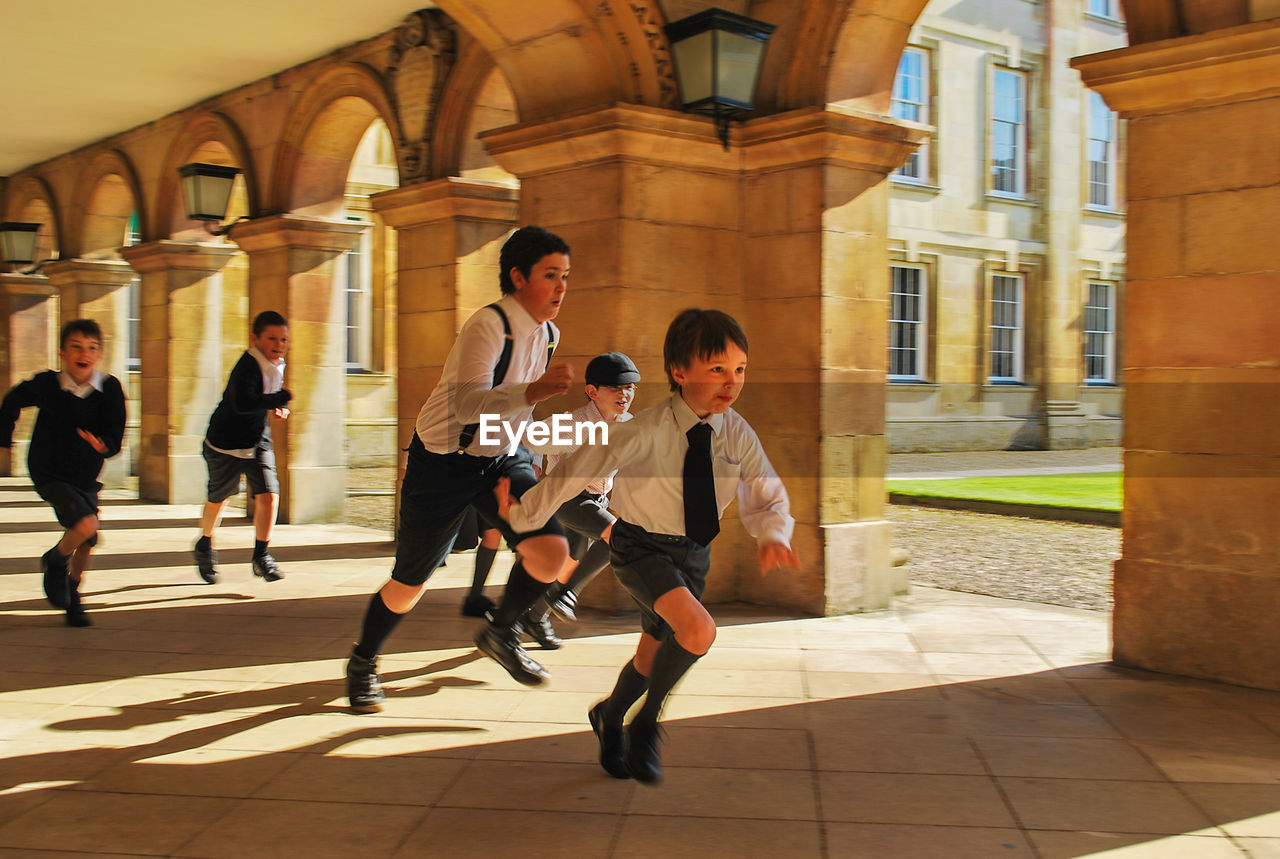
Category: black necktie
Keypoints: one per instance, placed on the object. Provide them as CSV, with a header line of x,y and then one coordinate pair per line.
x,y
701,515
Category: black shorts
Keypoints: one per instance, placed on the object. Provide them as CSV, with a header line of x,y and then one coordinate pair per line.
x,y
225,470
434,497
584,518
70,504
650,565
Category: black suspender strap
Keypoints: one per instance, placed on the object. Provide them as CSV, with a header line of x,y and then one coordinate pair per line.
x,y
500,369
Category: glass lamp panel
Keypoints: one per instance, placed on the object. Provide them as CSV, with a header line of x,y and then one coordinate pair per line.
x,y
693,67
18,242
737,66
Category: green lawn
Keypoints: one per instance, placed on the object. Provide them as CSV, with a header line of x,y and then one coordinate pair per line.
x,y
1090,491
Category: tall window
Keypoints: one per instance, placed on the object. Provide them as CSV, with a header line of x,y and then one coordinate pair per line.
x,y
1102,8
1101,153
1100,335
131,237
906,323
1009,132
355,276
911,101
1006,328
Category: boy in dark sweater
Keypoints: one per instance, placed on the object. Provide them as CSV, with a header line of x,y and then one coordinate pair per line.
x,y
238,442
80,424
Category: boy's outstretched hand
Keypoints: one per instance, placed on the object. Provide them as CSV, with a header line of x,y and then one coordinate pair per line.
x,y
775,555
552,383
94,441
502,492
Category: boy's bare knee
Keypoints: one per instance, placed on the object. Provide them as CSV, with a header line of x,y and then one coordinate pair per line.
x,y
544,556
86,527
698,637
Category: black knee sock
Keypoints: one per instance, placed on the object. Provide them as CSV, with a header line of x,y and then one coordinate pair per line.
x,y
484,562
630,686
204,544
595,560
379,623
669,664
522,592
259,548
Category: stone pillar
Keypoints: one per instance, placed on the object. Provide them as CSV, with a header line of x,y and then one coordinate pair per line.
x,y
28,345
182,370
1057,343
97,289
291,271
449,233
1197,589
780,231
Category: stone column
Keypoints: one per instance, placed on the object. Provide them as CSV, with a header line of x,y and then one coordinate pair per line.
x,y
97,289
291,271
28,345
449,233
780,231
182,369
1197,589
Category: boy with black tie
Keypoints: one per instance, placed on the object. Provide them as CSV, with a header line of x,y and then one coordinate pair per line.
x,y
679,464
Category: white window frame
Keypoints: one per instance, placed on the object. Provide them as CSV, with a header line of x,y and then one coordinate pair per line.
x,y
1100,193
914,103
1006,335
1100,333
1008,119
133,362
919,326
354,277
1102,9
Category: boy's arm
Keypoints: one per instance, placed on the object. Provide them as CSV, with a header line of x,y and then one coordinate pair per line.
x,y
763,504
20,396
571,476
479,346
113,417
247,397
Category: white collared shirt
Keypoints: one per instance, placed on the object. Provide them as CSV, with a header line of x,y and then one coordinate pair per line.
x,y
94,384
589,413
465,390
648,490
272,374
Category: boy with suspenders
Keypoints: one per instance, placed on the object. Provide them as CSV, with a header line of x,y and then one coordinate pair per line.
x,y
498,366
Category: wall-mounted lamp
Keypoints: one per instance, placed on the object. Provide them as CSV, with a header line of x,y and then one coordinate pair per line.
x,y
18,245
206,188
718,56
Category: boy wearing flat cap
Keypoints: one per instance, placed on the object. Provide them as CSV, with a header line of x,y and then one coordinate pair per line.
x,y
611,386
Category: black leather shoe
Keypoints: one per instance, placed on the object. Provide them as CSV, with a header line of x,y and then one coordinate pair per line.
x,y
477,605
540,629
564,606
612,755
205,561
76,615
503,647
57,584
643,761
264,567
364,688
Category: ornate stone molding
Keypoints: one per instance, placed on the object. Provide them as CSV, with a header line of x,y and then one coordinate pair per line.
x,y
277,232
422,56
451,198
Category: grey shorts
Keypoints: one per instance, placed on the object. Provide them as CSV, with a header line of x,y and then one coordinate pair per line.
x,y
584,519
650,565
225,470
70,504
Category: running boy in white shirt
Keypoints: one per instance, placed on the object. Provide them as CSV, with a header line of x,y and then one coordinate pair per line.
x,y
679,465
611,386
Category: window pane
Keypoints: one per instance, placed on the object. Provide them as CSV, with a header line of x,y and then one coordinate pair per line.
x,y
1099,334
911,102
906,322
1008,130
1006,323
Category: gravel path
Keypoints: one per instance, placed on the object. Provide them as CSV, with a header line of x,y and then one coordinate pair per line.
x,y
1060,563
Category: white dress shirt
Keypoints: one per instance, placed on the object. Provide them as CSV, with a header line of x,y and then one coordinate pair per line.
x,y
589,413
68,384
465,390
272,374
648,490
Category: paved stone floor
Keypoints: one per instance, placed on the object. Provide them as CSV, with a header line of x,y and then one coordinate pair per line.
x,y
209,721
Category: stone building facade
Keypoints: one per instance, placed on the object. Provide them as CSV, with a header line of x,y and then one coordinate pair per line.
x,y
787,228
1006,233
